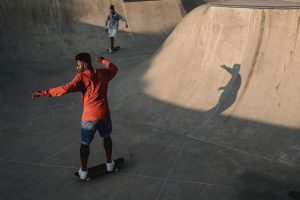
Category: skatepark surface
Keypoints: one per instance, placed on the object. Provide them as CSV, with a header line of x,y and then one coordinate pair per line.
x,y
205,104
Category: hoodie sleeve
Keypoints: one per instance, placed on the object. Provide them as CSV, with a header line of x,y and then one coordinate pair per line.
x,y
74,86
110,69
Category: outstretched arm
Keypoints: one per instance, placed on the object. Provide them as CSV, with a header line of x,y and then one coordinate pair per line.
x,y
74,86
123,19
228,69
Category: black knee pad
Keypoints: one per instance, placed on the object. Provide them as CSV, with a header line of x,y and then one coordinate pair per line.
x,y
107,142
84,150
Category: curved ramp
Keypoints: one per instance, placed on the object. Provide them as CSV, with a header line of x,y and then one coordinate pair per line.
x,y
259,49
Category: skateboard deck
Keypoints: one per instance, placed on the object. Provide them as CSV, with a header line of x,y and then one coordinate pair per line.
x,y
114,49
99,170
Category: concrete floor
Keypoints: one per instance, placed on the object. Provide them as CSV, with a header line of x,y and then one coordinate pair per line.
x,y
177,144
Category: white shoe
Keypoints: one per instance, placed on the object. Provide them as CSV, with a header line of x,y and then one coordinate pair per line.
x,y
110,166
110,50
82,174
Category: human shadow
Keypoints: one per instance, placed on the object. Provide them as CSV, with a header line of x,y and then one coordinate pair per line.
x,y
230,91
228,96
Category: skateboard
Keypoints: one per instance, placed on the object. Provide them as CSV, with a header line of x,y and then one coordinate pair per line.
x,y
99,170
294,195
114,49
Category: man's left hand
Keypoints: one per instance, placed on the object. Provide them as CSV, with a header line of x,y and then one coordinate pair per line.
x,y
99,59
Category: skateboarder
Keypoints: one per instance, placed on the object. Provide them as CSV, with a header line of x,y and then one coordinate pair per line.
x,y
112,25
93,84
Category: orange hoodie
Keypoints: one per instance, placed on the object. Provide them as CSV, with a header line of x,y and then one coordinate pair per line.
x,y
93,84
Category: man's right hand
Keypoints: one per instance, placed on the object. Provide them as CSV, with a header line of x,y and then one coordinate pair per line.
x,y
36,94
106,30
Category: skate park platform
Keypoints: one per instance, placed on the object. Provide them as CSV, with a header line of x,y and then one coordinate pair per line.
x,y
205,104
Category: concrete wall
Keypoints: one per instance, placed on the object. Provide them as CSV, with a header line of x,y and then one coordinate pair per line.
x,y
34,29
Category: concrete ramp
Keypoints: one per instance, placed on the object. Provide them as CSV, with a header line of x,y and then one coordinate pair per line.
x,y
259,49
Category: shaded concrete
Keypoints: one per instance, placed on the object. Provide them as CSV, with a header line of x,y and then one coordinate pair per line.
x,y
180,136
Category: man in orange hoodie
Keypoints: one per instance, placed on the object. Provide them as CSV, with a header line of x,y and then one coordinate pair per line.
x,y
93,84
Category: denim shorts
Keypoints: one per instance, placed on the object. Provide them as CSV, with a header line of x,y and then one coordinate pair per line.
x,y
89,128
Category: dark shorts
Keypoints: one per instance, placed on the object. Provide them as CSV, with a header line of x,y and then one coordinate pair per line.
x,y
89,128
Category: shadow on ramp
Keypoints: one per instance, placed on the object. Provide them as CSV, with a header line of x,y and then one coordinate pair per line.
x,y
228,96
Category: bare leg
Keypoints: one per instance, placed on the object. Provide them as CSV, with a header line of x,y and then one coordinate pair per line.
x,y
108,148
84,155
112,40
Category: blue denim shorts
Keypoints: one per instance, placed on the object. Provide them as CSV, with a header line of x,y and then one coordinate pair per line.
x,y
89,128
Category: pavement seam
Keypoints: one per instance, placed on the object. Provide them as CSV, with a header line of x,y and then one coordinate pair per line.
x,y
39,164
239,151
223,146
64,148
127,174
171,169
